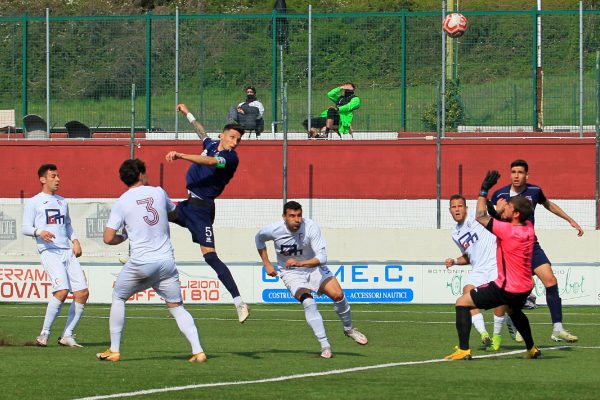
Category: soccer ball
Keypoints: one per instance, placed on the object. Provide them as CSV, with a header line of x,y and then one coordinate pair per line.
x,y
455,25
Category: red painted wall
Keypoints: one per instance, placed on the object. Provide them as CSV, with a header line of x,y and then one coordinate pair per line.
x,y
402,169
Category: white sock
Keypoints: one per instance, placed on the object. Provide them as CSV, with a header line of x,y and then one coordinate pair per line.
x,y
75,312
52,311
237,300
498,323
557,327
478,322
186,325
342,308
116,323
315,321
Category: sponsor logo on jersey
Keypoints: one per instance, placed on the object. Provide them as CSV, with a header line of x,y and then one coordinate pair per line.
x,y
468,239
290,250
54,217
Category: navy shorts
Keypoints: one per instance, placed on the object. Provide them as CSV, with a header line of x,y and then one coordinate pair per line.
x,y
198,216
491,296
538,257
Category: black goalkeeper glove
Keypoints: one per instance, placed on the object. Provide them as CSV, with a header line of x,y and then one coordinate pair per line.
x,y
491,178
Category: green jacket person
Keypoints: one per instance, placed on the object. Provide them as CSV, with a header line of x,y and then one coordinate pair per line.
x,y
345,103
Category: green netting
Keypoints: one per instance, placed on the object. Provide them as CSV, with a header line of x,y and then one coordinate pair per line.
x,y
395,60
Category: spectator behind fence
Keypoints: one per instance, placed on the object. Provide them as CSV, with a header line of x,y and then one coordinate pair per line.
x,y
248,113
338,118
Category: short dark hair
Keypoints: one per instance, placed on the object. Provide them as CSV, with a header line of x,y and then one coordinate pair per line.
x,y
45,168
457,197
291,205
520,163
523,206
251,88
235,127
130,171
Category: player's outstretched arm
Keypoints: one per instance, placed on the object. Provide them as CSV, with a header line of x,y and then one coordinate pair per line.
x,y
111,237
556,210
491,178
198,127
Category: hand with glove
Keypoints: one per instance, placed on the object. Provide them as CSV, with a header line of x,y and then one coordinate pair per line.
x,y
491,178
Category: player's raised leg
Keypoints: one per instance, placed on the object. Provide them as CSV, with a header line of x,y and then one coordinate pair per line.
x,y
334,291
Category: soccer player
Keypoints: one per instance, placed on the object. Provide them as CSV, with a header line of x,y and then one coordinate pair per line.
x,y
206,178
46,218
515,237
302,262
540,263
142,210
478,247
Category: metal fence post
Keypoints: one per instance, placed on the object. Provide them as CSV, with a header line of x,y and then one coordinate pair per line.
x,y
24,66
148,70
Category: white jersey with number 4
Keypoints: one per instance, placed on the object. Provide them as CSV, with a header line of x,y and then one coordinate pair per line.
x,y
479,245
143,211
304,244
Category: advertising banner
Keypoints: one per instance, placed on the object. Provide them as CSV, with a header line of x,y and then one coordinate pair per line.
x,y
401,282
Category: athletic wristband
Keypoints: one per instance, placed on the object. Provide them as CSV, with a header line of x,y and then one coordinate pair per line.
x,y
483,193
456,261
190,117
220,162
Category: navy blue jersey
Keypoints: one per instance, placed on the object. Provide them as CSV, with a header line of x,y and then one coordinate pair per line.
x,y
208,182
532,192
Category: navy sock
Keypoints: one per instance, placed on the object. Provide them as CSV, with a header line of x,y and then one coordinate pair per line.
x,y
222,272
521,322
554,303
463,326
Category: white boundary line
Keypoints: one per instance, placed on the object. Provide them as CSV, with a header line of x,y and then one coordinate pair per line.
x,y
302,376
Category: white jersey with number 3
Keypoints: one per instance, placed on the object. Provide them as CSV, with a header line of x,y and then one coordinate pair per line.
x,y
143,211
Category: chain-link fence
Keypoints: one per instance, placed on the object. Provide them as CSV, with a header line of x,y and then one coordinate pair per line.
x,y
395,60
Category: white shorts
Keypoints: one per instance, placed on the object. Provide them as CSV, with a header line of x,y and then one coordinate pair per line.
x,y
64,270
481,276
305,278
162,276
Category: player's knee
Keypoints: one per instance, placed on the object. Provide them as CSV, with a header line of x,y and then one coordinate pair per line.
x,y
304,296
61,295
81,296
337,295
550,281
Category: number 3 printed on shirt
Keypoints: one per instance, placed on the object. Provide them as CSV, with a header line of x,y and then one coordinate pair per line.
x,y
148,202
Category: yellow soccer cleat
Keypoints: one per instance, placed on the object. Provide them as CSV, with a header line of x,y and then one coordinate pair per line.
x,y
459,354
486,339
109,355
534,352
198,358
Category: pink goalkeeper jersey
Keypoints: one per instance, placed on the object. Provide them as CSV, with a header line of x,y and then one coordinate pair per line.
x,y
513,255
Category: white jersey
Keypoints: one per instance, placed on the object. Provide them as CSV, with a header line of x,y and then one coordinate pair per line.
x,y
478,244
48,212
143,211
304,244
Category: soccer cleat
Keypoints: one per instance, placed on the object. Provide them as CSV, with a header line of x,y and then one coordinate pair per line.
x,y
514,333
358,337
198,358
68,341
530,302
243,312
459,354
534,352
496,343
42,340
109,355
564,336
326,352
486,339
